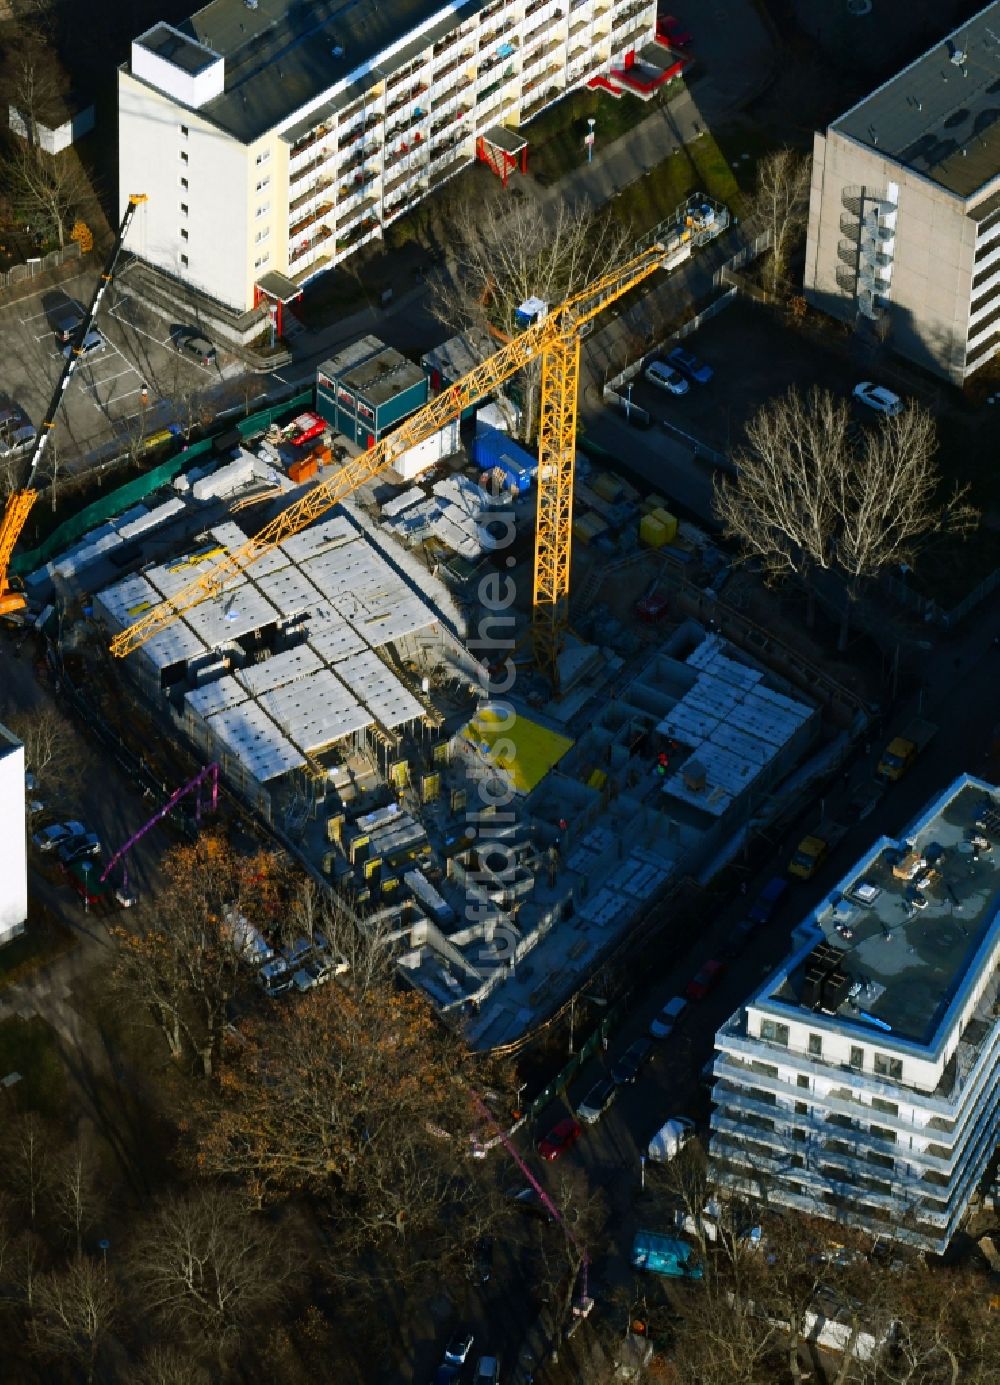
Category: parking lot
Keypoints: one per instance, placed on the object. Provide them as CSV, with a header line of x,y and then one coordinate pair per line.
x,y
756,355
124,381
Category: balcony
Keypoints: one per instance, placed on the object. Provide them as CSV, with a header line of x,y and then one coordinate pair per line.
x,y
324,209
406,152
318,134
360,182
406,98
487,41
442,72
403,179
491,10
313,166
534,7
357,233
364,210
323,234
541,29
367,151
404,74
312,191
447,171
402,127
545,51
445,43
360,130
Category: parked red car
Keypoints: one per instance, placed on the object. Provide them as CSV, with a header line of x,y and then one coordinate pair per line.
x,y
560,1138
672,31
706,979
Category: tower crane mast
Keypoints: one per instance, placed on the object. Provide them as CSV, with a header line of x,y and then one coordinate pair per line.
x,y
555,338
21,501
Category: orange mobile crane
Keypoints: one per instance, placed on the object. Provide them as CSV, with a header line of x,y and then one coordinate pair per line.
x,y
555,338
19,505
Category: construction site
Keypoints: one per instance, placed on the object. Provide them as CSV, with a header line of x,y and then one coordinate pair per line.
x,y
361,612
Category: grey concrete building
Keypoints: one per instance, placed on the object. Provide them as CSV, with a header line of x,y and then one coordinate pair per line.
x,y
904,214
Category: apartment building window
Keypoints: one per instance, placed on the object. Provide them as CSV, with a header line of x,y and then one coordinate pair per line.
x,y
184,131
184,260
815,1045
887,1108
881,1133
774,1032
262,260
262,210
262,183
262,235
184,157
184,234
802,1108
765,1069
802,1080
263,157
857,1058
184,182
184,209
889,1067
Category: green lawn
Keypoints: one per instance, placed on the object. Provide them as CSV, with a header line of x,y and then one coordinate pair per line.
x,y
698,167
31,1048
555,138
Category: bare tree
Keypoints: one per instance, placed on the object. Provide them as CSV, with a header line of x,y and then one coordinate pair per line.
x,y
208,1265
74,1192
184,967
45,189
169,1365
811,493
780,205
891,501
27,1161
780,505
53,751
501,255
74,1310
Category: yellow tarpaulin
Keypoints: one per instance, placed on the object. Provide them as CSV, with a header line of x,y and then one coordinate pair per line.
x,y
526,750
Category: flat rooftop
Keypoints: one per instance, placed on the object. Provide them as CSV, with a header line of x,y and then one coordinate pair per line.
x,y
281,56
939,115
375,372
912,923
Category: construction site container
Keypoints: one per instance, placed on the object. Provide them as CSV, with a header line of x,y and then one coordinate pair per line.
x,y
302,470
588,527
652,532
669,523
491,450
323,455
607,486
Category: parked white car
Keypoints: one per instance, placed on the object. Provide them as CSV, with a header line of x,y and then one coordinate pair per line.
x,y
666,378
877,397
669,1017
670,1139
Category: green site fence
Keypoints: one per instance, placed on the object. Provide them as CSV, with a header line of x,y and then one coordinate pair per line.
x,y
119,500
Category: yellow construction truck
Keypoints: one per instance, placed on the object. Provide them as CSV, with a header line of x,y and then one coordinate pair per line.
x,y
902,750
814,848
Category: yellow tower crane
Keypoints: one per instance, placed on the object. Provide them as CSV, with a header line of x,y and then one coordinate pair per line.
x,y
556,340
20,503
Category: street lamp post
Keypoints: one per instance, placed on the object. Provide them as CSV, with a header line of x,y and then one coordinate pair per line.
x,y
591,122
594,1000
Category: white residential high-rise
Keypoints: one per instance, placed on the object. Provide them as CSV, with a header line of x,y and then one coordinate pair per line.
x,y
274,139
860,1081
14,877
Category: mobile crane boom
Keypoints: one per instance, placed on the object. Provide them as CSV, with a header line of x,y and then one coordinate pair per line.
x,y
556,339
21,501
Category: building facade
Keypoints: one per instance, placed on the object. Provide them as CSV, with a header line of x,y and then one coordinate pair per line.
x,y
859,1082
904,213
14,878
276,140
